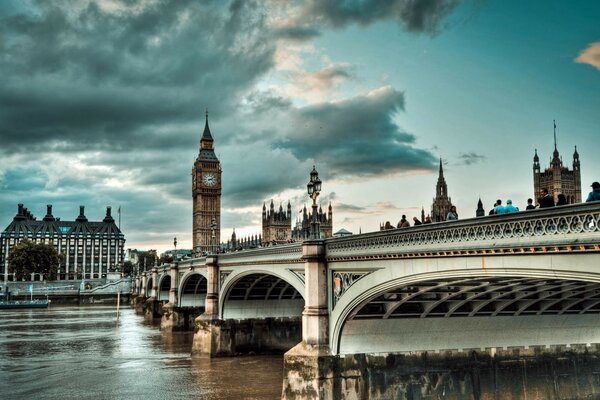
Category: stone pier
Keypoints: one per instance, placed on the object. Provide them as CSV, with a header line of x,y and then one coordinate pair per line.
x,y
534,373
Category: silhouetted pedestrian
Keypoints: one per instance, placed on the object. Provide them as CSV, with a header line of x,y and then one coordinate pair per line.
x,y
427,220
595,193
530,205
403,223
545,200
416,221
492,211
562,200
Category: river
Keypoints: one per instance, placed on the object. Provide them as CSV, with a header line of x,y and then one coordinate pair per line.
x,y
83,352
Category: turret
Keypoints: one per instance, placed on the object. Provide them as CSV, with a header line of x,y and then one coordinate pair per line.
x,y
536,162
576,164
289,210
49,217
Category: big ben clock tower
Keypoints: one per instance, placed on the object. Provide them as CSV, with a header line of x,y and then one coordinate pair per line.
x,y
206,192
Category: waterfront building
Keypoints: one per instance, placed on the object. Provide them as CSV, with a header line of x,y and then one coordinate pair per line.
x,y
442,202
206,194
91,249
558,178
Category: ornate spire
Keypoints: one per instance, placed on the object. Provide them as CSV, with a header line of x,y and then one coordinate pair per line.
x,y
556,161
206,134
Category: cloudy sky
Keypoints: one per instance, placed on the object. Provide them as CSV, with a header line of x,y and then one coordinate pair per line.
x,y
102,103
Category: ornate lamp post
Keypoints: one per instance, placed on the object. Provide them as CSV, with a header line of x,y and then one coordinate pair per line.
x,y
213,227
314,188
175,249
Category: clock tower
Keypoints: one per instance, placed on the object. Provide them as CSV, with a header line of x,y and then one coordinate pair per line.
x,y
206,193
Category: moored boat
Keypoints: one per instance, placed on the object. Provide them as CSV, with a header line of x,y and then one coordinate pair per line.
x,y
11,304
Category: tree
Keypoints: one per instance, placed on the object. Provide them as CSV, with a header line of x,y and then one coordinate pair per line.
x,y
28,257
127,268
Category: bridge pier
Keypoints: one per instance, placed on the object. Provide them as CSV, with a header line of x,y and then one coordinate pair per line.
x,y
207,330
309,367
152,304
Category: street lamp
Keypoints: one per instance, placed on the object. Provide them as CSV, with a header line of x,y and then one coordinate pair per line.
x,y
213,227
175,249
314,188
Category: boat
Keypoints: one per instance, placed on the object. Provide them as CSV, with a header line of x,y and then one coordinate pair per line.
x,y
12,304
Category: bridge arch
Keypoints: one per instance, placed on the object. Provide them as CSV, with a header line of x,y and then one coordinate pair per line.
x,y
164,286
192,290
390,307
148,288
261,293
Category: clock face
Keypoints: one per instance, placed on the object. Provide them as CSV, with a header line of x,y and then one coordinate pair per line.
x,y
209,179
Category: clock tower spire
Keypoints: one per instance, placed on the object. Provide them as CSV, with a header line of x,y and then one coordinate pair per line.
x,y
206,195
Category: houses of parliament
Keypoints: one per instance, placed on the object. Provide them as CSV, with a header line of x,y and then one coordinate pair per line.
x,y
277,222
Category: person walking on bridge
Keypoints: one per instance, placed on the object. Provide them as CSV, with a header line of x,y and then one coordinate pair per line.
x,y
452,214
509,208
545,200
499,209
595,193
403,223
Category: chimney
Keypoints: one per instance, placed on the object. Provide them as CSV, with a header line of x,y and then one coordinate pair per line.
x,y
81,217
108,219
49,216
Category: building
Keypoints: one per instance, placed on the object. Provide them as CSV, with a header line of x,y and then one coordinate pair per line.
x,y
441,203
558,178
276,224
206,194
302,229
90,249
342,232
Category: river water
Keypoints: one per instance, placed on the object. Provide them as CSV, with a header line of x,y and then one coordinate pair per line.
x,y
83,352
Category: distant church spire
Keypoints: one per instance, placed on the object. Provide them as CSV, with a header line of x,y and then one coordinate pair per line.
x,y
554,134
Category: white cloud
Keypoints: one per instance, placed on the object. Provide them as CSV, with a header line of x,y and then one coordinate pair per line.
x,y
591,56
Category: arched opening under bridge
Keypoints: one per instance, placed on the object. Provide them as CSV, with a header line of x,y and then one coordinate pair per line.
x,y
474,313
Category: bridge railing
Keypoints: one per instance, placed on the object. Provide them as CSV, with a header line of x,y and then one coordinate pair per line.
x,y
566,228
283,253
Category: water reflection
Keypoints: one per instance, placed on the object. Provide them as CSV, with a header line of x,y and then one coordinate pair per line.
x,y
83,352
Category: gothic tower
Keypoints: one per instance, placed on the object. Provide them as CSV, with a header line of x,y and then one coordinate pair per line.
x,y
206,193
558,178
276,225
441,203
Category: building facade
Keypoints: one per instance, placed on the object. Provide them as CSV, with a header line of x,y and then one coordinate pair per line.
x,y
276,224
558,178
442,202
206,194
90,249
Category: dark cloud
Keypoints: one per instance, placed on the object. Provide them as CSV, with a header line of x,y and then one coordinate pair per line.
x,y
356,137
85,78
412,15
470,158
106,106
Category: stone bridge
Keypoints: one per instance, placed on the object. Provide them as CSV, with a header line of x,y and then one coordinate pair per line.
x,y
528,281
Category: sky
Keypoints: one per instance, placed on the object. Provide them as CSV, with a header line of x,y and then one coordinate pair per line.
x,y
102,103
